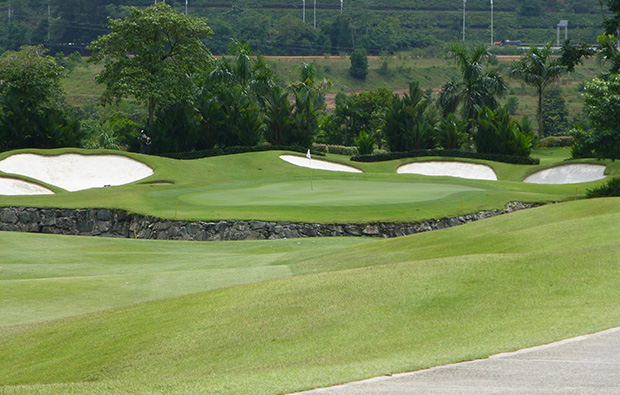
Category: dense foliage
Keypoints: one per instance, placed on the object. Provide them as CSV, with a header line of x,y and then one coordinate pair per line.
x,y
408,124
521,160
610,189
476,86
555,113
151,55
359,64
277,27
496,132
32,111
602,106
539,70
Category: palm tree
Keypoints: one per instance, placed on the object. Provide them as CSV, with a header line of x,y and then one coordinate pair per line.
x,y
476,88
538,70
278,117
408,125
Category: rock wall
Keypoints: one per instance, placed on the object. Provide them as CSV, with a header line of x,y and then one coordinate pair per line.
x,y
118,223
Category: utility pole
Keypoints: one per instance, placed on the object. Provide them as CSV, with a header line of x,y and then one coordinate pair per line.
x,y
492,42
314,14
185,7
464,3
49,20
341,5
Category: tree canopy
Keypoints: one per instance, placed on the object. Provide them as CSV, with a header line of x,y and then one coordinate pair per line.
x,y
31,102
152,55
539,70
31,74
476,88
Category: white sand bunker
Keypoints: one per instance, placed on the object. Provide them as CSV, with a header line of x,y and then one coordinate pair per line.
x,y
568,174
13,187
471,171
75,172
318,164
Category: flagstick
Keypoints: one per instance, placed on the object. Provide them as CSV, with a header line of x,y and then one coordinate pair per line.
x,y
311,188
310,162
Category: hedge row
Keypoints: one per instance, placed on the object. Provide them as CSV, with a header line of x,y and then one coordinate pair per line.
x,y
237,150
519,160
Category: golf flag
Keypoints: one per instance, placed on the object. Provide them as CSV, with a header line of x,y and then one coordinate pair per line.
x,y
310,159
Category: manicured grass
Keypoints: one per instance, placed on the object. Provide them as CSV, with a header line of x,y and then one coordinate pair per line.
x,y
86,274
352,310
260,186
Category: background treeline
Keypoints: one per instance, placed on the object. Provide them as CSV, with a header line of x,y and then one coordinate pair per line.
x,y
276,27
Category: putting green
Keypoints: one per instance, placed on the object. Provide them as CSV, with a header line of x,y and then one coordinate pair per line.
x,y
325,193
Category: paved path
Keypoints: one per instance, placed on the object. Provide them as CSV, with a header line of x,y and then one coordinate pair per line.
x,y
584,365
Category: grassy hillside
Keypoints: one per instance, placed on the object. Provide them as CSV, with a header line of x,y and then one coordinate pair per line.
x,y
339,311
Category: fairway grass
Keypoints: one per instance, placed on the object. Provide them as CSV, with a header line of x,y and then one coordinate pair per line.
x,y
336,310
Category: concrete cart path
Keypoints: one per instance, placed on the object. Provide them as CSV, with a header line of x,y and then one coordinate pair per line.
x,y
587,364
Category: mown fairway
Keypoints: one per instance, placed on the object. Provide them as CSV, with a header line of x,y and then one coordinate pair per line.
x,y
93,315
295,314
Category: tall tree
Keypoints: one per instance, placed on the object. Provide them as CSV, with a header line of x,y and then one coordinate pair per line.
x,y
601,106
539,70
309,100
359,64
408,125
152,55
476,88
31,102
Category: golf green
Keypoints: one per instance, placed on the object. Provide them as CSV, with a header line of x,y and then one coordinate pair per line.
x,y
326,193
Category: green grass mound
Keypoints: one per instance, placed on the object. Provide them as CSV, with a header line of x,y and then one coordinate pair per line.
x,y
335,311
261,186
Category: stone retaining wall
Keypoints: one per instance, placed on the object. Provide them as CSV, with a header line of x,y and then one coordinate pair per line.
x,y
118,223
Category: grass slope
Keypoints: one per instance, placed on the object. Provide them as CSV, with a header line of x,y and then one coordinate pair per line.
x,y
369,308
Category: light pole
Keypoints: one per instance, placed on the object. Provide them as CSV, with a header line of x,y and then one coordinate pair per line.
x,y
464,3
314,14
492,42
49,20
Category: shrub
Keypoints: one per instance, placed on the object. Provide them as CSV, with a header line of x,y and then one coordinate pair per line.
x,y
365,143
237,150
335,149
450,132
583,146
556,141
359,64
497,133
610,188
385,156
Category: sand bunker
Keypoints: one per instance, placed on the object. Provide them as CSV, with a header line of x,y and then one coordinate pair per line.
x,y
318,164
471,171
75,172
568,174
13,187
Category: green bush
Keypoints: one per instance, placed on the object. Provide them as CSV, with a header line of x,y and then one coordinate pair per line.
x,y
237,150
382,157
556,141
359,64
365,143
583,146
610,188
